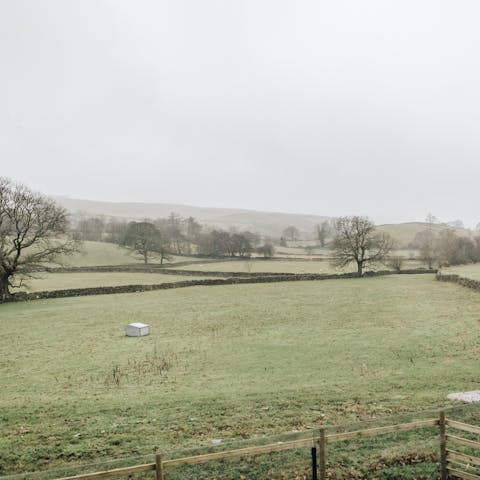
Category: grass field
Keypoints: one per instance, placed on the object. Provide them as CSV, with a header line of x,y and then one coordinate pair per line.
x,y
258,266
469,271
283,266
225,362
60,281
103,253
404,233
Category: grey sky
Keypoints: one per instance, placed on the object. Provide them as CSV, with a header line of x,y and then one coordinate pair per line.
x,y
334,108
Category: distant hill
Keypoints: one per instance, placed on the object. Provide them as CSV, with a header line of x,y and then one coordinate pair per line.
x,y
404,233
267,223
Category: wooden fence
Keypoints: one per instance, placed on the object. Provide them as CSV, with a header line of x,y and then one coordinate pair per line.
x,y
453,463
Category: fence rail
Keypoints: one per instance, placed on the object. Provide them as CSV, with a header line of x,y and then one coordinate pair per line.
x,y
453,463
459,464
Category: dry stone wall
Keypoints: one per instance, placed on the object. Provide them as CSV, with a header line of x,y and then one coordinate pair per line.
x,y
241,278
465,282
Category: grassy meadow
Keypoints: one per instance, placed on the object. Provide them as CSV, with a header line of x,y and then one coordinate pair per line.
x,y
284,266
59,281
469,271
225,362
92,254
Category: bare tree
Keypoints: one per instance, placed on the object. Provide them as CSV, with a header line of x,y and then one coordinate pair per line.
x,y
431,219
291,233
91,229
427,245
323,231
267,249
144,238
33,233
356,241
396,263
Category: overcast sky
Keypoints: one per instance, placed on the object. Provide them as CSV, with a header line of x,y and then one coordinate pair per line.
x,y
333,107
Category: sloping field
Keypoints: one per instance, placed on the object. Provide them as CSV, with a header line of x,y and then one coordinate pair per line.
x,y
92,254
225,362
404,233
100,253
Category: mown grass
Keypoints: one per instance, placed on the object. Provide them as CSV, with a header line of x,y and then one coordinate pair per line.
x,y
225,362
59,281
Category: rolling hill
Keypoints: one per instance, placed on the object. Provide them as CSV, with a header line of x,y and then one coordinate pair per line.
x,y
267,223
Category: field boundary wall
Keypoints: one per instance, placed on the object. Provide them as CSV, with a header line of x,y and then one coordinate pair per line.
x,y
453,278
229,280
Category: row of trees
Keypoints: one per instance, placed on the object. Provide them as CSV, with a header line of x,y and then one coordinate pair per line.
x,y
322,232
148,238
173,235
446,247
181,232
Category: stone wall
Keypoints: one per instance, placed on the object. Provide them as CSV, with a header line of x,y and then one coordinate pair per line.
x,y
231,280
465,282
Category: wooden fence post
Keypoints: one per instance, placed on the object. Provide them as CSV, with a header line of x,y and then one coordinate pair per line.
x,y
314,464
158,467
322,444
443,447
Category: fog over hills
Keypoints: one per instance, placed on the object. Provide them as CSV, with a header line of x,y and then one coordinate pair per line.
x,y
268,223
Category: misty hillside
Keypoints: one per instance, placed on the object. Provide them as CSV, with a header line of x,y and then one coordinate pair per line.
x,y
404,233
267,223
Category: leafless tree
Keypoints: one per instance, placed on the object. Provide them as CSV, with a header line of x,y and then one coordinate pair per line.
x,y
427,244
144,238
291,233
33,233
357,241
323,231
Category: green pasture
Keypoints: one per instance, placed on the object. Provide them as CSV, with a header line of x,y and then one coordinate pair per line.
x,y
267,266
60,281
102,253
469,271
283,266
225,362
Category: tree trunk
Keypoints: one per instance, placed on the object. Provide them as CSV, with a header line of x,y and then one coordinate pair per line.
x,y
145,257
4,290
360,268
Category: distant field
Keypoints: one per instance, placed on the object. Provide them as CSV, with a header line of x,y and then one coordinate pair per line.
x,y
60,281
286,266
469,271
103,253
225,362
256,266
302,251
404,233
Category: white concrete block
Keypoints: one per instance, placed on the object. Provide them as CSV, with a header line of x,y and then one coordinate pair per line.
x,y
137,329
